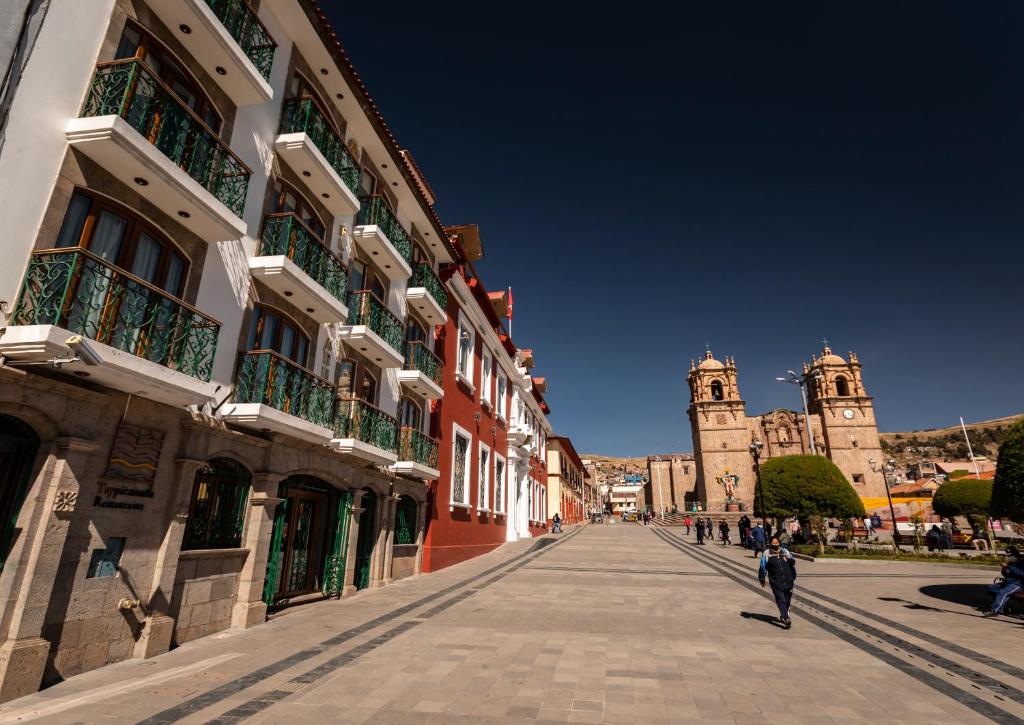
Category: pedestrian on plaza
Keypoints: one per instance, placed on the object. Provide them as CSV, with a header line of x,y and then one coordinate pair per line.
x,y
767,530
758,539
700,531
935,533
1013,582
778,568
556,522
947,532
723,528
687,522
868,528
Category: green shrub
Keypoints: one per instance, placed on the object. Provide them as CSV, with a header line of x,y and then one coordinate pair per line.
x,y
965,497
1008,487
806,486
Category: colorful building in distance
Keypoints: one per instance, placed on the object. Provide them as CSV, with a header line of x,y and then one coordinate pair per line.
x,y
566,481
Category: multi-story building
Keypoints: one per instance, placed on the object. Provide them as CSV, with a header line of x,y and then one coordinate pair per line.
x,y
490,422
565,481
841,425
625,494
217,337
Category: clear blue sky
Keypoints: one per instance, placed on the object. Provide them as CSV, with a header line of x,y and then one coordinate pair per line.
x,y
754,175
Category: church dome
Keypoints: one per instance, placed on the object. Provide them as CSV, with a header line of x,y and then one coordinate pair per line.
x,y
830,358
709,362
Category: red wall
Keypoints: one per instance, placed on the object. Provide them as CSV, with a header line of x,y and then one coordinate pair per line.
x,y
457,534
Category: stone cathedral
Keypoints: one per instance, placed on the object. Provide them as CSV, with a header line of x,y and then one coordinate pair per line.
x,y
842,423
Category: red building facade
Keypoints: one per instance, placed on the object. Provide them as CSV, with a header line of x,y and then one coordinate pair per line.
x,y
491,489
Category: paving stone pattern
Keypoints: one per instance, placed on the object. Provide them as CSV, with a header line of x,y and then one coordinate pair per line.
x,y
612,623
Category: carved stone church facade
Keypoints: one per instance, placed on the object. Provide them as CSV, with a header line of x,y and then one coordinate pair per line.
x,y
842,422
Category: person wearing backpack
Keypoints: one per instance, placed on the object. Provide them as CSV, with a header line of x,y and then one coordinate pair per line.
x,y
778,569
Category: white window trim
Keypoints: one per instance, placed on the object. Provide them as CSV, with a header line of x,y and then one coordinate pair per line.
x,y
485,507
466,376
458,430
486,377
502,483
499,402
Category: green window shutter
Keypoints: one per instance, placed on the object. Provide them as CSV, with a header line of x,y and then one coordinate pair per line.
x,y
276,555
334,562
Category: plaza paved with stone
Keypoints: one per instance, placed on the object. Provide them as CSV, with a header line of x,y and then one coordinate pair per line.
x,y
613,623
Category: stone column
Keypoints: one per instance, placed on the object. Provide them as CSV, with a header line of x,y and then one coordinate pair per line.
x,y
384,504
421,532
250,609
158,626
353,543
32,568
389,538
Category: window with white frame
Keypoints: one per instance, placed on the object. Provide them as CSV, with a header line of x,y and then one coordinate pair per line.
x,y
482,499
485,377
464,361
461,441
500,397
499,484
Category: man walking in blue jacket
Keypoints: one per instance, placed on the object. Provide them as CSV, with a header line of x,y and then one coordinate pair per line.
x,y
778,568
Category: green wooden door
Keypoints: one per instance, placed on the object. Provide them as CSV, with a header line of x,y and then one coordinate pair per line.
x,y
18,447
367,538
334,562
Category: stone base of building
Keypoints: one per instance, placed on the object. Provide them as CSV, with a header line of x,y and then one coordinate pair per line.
x,y
22,662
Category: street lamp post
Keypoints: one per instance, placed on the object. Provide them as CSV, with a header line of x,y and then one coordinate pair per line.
x,y
890,469
756,447
802,380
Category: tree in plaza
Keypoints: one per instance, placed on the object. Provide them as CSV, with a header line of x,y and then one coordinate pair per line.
x,y
806,487
1008,487
966,497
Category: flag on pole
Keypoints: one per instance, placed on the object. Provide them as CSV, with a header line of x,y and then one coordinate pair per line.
x,y
510,304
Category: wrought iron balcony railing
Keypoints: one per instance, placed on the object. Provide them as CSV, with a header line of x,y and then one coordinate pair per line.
x,y
286,234
269,378
358,419
251,35
417,447
419,357
80,292
423,276
364,308
375,211
131,90
303,115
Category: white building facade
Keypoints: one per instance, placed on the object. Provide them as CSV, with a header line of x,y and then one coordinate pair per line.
x,y
216,320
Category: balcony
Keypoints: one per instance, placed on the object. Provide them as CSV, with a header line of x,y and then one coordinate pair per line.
x,y
365,431
293,262
146,342
422,371
134,126
309,144
379,233
427,295
417,455
227,40
274,394
373,330
518,434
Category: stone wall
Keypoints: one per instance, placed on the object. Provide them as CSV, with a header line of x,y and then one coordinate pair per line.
x,y
403,563
204,592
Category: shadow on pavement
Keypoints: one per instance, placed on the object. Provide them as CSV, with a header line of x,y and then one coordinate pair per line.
x,y
970,595
774,621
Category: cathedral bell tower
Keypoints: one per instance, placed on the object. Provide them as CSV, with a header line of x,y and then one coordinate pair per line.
x,y
721,439
837,397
